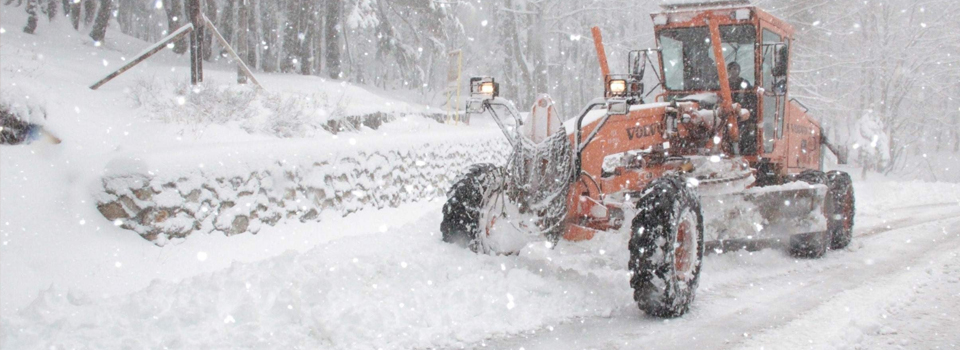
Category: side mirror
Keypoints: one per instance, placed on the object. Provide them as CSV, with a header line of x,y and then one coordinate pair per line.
x,y
781,57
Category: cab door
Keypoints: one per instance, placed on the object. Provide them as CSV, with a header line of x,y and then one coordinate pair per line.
x,y
774,51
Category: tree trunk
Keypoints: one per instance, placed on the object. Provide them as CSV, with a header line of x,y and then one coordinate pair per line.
x,y
32,20
353,69
175,19
243,17
75,14
504,29
211,13
271,37
253,33
89,11
52,9
332,31
526,96
227,21
308,32
195,17
103,19
956,133
292,32
535,41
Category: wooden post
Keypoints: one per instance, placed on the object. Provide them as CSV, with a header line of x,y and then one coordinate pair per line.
x,y
241,67
176,35
196,42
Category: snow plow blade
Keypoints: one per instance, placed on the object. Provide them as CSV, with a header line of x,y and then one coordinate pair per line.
x,y
763,217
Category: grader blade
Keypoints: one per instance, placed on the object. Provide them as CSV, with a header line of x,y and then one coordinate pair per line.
x,y
763,217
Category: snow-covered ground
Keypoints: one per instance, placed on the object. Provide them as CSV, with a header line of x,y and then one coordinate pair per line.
x,y
382,278
401,287
895,287
52,233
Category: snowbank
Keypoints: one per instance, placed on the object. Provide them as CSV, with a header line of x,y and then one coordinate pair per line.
x,y
53,233
399,290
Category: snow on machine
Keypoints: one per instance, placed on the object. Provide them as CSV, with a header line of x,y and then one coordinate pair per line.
x,y
721,159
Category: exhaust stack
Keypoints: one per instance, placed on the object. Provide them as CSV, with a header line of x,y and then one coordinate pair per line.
x,y
601,54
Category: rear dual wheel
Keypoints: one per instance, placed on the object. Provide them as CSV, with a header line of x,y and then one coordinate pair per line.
x,y
666,248
839,210
811,245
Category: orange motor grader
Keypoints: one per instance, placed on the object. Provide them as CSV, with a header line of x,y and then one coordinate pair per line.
x,y
721,159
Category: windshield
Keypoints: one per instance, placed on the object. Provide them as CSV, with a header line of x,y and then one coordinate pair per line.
x,y
689,62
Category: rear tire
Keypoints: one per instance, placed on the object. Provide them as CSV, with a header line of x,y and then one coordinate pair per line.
x,y
465,201
811,245
666,248
840,209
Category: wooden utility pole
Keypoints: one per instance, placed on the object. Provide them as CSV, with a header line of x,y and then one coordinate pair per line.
x,y
196,42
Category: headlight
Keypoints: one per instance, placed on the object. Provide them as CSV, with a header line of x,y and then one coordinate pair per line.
x,y
618,86
486,88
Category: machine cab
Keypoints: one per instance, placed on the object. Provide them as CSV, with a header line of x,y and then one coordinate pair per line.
x,y
755,47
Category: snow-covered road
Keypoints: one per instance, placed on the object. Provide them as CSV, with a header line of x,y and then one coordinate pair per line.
x,y
896,286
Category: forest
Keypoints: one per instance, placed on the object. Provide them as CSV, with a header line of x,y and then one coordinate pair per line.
x,y
881,74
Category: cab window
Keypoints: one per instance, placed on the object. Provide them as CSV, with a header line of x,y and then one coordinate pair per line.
x,y
770,98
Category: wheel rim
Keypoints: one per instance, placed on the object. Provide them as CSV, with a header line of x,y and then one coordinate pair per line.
x,y
685,254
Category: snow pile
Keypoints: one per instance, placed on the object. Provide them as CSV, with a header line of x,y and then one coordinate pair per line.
x,y
398,290
18,104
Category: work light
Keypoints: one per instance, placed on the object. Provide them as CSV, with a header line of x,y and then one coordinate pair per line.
x,y
483,87
618,86
486,88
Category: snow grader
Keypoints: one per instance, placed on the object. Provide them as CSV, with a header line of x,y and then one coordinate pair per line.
x,y
720,159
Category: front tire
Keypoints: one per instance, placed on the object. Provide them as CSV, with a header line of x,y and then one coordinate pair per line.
x,y
465,201
666,248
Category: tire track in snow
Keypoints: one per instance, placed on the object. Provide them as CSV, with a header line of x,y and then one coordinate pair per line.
x,y
758,297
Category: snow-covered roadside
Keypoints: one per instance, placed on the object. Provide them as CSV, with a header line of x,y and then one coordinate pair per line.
x,y
53,235
400,289
51,231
